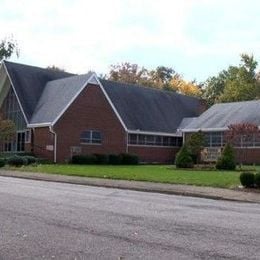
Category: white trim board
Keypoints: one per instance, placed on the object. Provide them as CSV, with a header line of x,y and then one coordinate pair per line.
x,y
73,99
204,130
152,133
39,125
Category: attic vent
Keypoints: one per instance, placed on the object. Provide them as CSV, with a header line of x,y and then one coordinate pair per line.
x,y
75,150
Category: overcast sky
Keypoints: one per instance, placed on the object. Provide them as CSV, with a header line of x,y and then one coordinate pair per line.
x,y
198,38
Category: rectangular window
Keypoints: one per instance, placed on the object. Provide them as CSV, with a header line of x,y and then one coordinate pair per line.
x,y
154,140
213,139
216,139
90,137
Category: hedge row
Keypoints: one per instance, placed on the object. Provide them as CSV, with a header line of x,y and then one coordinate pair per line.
x,y
17,160
113,159
250,180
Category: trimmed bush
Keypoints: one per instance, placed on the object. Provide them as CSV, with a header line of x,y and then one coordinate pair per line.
x,y
114,159
17,161
257,179
227,159
2,162
129,159
247,179
101,158
183,158
30,159
83,159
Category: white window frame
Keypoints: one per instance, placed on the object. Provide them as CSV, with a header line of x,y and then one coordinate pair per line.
x,y
153,143
91,139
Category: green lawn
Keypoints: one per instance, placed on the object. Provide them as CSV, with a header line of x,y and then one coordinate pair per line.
x,y
153,173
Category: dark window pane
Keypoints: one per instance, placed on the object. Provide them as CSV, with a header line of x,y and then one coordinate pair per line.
x,y
166,140
141,139
158,140
207,140
85,134
150,140
96,135
132,139
179,141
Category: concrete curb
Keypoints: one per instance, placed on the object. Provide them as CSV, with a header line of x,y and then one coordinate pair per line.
x,y
174,189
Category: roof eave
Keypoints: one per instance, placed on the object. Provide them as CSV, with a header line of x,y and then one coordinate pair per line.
x,y
152,133
36,125
217,129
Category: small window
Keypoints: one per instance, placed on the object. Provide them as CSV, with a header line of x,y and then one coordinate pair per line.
x,y
90,137
28,136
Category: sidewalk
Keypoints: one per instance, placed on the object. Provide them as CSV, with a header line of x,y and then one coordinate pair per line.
x,y
184,190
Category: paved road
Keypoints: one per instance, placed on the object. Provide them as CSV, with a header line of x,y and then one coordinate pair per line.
x,y
44,220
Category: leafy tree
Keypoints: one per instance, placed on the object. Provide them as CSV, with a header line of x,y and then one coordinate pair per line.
x,y
55,68
178,84
195,144
237,83
128,73
214,87
161,77
7,48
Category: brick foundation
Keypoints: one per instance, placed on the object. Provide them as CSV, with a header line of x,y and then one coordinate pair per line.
x,y
42,137
154,154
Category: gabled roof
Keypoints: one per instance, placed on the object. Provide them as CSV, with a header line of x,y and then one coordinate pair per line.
x,y
220,116
56,96
29,83
45,95
148,109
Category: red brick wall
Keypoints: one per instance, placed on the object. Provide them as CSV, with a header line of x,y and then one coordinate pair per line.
x,y
41,137
92,111
248,155
154,154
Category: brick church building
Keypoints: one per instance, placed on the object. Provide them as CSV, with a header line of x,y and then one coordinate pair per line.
x,y
58,114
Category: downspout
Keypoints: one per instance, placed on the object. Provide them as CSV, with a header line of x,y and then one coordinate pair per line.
x,y
55,143
127,136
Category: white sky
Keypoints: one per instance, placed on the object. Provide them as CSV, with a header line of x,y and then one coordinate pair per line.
x,y
198,38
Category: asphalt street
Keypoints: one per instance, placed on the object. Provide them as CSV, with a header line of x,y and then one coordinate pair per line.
x,y
47,220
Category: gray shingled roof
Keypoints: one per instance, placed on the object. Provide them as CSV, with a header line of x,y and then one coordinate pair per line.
x,y
44,94
29,83
222,115
55,97
148,109
186,121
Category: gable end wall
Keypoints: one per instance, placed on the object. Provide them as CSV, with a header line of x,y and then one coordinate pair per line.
x,y
89,111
